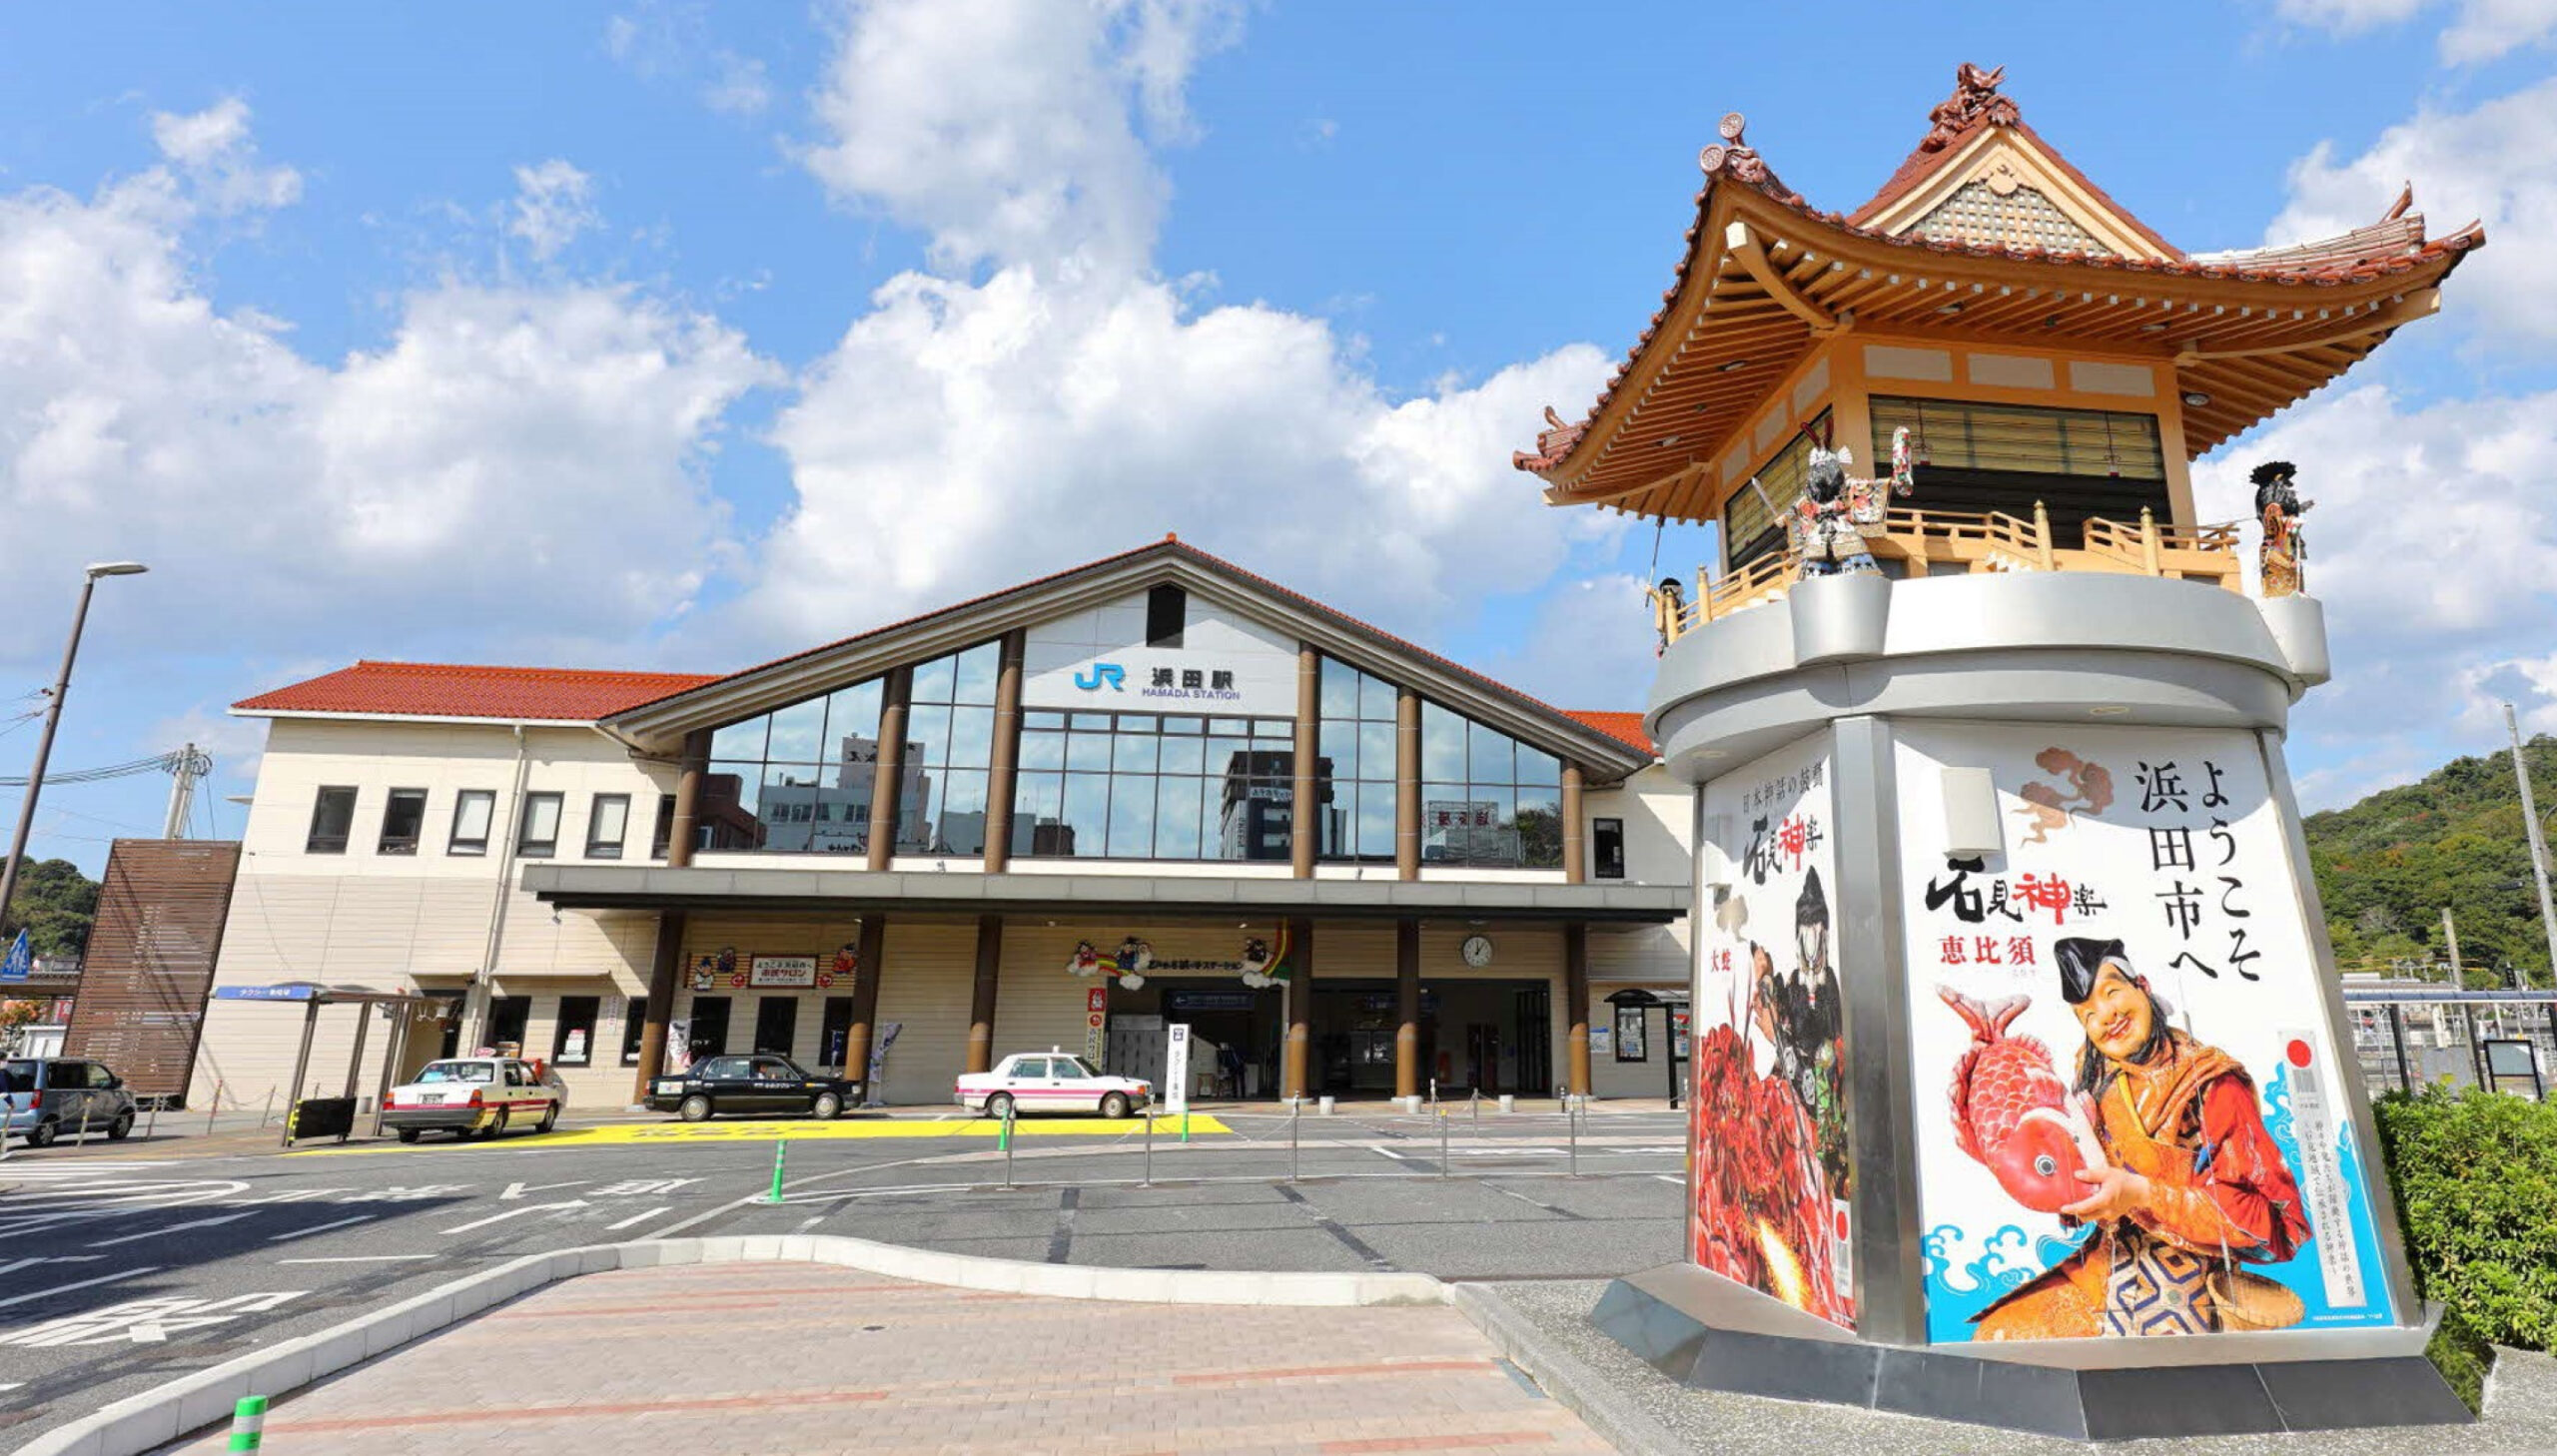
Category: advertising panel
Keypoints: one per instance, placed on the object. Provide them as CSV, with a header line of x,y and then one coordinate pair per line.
x,y
1769,1185
2131,1119
782,972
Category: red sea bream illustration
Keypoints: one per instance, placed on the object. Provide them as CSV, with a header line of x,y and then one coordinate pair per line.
x,y
2012,1111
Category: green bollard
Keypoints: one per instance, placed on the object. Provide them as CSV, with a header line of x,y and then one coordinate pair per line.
x,y
248,1423
1185,1125
778,1146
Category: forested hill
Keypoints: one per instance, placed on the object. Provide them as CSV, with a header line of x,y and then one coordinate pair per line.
x,y
2388,865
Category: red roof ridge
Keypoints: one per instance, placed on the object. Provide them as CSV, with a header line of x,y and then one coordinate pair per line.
x,y
390,687
1624,727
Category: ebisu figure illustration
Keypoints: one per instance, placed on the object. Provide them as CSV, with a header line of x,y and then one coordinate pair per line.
x,y
2183,1185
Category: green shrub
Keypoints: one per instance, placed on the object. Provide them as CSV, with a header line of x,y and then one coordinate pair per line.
x,y
2476,1181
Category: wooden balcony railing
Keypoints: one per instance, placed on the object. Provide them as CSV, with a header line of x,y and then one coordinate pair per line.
x,y
1951,543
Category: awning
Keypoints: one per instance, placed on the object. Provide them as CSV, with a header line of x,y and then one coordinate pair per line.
x,y
617,887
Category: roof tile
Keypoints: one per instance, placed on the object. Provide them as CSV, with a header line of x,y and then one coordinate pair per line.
x,y
457,690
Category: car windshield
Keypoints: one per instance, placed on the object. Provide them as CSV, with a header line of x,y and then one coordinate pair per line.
x,y
458,1071
18,1077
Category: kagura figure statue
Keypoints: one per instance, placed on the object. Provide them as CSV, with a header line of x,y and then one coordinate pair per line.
x,y
2279,508
1837,511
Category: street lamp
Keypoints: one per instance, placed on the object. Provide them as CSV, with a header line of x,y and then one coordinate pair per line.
x,y
52,719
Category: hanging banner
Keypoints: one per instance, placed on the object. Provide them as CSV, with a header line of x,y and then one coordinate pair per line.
x,y
2145,1130
1768,1182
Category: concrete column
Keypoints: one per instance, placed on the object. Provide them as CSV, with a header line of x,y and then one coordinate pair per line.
x,y
1006,763
865,994
1575,1001
666,968
980,1002
1294,1079
1407,1007
1575,829
1408,785
895,693
1305,814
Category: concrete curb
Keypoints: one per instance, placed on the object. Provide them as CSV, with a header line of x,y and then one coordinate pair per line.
x,y
1566,1376
143,1423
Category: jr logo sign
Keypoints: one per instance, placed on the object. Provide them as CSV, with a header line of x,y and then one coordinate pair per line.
x,y
1110,673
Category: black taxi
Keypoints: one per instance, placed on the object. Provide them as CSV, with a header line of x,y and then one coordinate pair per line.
x,y
762,1082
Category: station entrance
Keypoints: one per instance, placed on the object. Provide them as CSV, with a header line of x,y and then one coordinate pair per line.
x,y
1494,1037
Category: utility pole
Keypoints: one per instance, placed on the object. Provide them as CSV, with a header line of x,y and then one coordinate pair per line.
x,y
53,719
186,770
2538,843
2450,935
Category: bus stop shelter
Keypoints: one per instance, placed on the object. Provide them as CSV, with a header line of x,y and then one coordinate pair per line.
x,y
320,1116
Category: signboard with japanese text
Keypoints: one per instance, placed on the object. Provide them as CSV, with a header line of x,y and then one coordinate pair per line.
x,y
1175,1069
1769,1176
1096,1026
2131,1115
782,972
1101,660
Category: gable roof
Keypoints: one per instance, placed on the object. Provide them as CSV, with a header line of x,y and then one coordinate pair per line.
x,y
1625,726
459,690
659,724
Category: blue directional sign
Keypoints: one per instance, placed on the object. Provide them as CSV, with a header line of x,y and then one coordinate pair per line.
x,y
21,961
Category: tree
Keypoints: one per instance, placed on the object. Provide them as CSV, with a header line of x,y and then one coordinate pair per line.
x,y
56,904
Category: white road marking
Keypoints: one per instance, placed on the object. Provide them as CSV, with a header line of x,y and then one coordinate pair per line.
x,y
1670,1177
323,1227
807,1223
636,1219
14,1265
518,1190
513,1212
132,1273
1390,1152
146,1321
359,1259
172,1229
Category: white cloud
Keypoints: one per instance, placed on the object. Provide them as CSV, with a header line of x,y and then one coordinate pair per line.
x,y
554,202
1591,646
213,150
657,40
2497,163
737,85
508,462
2479,30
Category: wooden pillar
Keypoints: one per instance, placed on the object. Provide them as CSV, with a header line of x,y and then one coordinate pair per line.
x,y
1006,763
1408,785
895,693
1304,812
1575,997
665,969
1295,1061
1407,1007
865,999
1575,830
981,1004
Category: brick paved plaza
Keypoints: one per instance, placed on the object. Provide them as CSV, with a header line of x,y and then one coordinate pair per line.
x,y
827,1359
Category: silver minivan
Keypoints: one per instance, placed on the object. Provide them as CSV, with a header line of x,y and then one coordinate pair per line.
x,y
48,1097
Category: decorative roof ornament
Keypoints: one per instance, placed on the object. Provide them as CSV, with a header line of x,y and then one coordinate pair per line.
x,y
1553,442
1975,98
1733,157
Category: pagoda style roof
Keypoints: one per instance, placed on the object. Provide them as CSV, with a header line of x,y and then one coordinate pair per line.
x,y
1985,233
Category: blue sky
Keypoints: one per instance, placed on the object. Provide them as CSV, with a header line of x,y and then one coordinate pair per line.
x,y
652,333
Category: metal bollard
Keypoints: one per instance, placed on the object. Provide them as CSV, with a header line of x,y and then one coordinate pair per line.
x,y
1007,1114
1296,1110
248,1423
1574,1124
150,1119
1442,1142
1433,1094
84,1123
1476,1102
1148,1181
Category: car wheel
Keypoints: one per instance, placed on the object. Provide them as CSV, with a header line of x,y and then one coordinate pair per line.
x,y
406,1134
827,1106
122,1127
43,1133
999,1107
1114,1105
694,1109
496,1127
550,1119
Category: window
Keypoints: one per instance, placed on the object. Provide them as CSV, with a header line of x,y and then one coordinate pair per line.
x,y
1608,840
1068,1068
1356,769
725,1069
834,1032
539,836
573,1042
1630,1046
776,1024
1138,786
771,775
1486,800
634,1021
514,1074
663,838
1964,437
1029,1068
949,737
333,818
1166,611
473,808
1748,526
708,1036
404,815
508,1016
606,825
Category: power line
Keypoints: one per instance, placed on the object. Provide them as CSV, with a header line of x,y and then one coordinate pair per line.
x,y
166,763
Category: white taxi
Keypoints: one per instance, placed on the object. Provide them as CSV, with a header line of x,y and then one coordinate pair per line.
x,y
475,1096
1050,1081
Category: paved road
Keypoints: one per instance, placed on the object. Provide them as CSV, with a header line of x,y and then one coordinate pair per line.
x,y
120,1265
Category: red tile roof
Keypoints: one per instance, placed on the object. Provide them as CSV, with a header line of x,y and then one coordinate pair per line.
x,y
453,691
1624,727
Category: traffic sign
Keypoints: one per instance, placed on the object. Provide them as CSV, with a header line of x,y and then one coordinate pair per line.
x,y
21,961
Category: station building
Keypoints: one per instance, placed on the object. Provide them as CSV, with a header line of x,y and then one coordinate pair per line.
x,y
1153,788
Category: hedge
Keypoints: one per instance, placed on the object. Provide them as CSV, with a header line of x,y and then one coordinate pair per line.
x,y
2476,1181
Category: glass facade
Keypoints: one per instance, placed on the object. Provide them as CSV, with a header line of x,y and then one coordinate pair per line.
x,y
1746,521
1152,786
1486,800
2083,443
949,742
797,779
1358,767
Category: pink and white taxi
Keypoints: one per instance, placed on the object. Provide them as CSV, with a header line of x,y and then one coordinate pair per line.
x,y
475,1096
1050,1081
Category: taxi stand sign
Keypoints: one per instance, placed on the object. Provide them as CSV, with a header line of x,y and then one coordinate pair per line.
x,y
1175,1069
